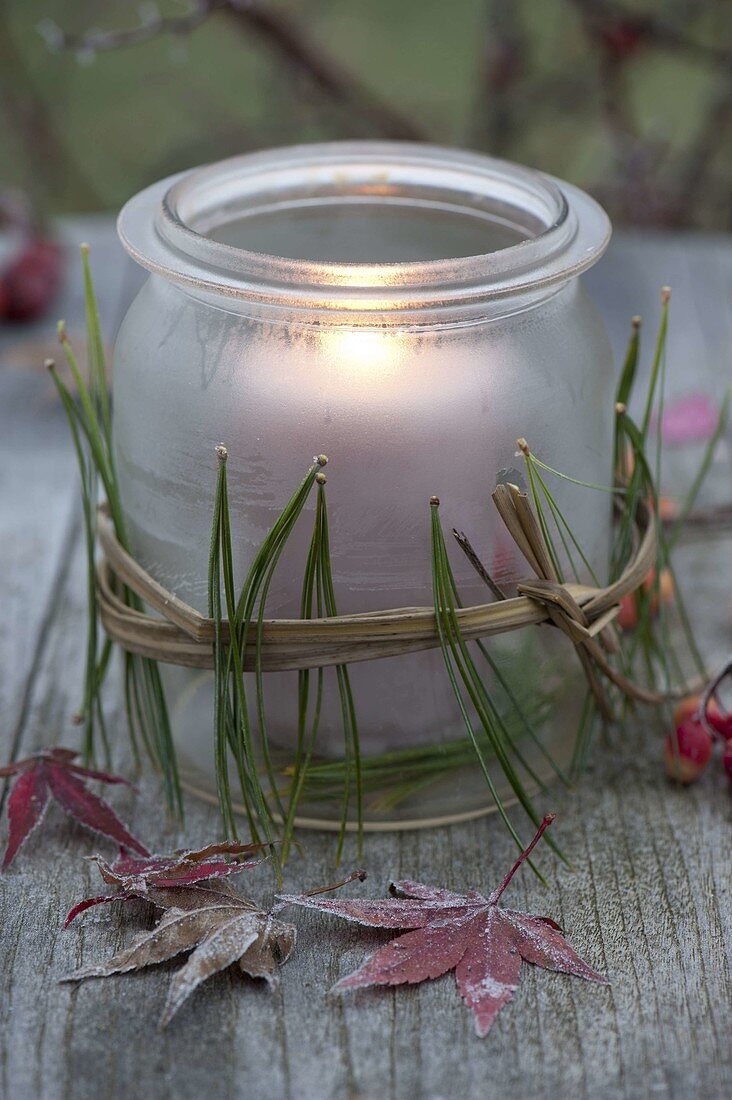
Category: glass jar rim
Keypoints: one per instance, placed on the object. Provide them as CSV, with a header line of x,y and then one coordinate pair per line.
x,y
565,231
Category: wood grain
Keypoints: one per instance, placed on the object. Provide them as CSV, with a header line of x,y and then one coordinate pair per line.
x,y
648,900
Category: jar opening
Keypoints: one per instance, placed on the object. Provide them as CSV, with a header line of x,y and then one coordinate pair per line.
x,y
388,230
364,226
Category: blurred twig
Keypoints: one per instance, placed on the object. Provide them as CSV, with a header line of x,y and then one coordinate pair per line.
x,y
632,29
695,168
619,34
280,33
48,163
644,172
503,67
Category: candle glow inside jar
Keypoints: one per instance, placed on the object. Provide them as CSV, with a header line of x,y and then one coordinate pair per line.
x,y
409,311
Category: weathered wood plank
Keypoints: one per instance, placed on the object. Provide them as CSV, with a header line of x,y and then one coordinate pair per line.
x,y
37,520
648,900
38,482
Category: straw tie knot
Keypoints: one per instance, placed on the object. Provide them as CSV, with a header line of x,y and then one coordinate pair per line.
x,y
561,607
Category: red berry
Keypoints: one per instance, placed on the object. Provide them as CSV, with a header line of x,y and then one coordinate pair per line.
x,y
668,509
718,720
727,759
721,722
628,614
686,708
622,39
31,281
688,751
666,588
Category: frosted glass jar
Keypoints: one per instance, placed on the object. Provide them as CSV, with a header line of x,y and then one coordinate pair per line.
x,y
409,311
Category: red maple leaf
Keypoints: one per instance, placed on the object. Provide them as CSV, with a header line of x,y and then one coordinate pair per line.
x,y
50,774
467,933
151,877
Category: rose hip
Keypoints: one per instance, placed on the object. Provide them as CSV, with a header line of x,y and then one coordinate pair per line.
x,y
688,751
628,615
29,284
727,759
718,720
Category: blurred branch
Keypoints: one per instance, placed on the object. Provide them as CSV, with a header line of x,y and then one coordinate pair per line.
x,y
629,29
503,67
651,174
280,34
615,41
620,34
694,170
47,161
91,42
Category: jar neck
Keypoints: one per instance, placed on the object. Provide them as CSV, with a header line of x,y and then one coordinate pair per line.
x,y
173,227
446,317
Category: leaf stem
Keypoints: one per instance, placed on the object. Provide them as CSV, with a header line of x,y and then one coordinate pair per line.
x,y
522,858
354,876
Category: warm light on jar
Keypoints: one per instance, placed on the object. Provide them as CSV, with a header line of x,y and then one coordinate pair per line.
x,y
408,311
363,354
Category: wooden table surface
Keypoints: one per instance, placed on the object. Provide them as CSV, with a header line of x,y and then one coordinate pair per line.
x,y
648,901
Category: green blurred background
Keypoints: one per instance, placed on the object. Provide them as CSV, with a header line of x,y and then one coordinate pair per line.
x,y
632,100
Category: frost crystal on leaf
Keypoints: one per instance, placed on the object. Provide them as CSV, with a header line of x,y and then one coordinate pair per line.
x,y
202,915
467,933
157,877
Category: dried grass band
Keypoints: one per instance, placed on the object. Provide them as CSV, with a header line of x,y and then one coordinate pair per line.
x,y
182,636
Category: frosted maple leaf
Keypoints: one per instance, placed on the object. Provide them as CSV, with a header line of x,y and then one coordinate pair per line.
x,y
485,945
